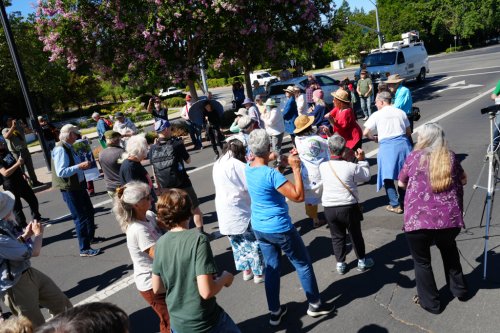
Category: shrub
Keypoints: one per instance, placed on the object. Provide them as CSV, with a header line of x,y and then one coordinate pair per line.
x,y
240,78
175,101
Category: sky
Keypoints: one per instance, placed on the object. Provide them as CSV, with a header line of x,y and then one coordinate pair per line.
x,y
24,6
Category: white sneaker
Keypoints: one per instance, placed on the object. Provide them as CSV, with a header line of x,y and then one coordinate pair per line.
x,y
258,279
247,275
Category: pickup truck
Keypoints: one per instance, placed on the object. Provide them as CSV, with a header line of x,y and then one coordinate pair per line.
x,y
171,92
263,77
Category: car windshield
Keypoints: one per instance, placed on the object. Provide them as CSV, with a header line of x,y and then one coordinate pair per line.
x,y
266,75
380,59
278,89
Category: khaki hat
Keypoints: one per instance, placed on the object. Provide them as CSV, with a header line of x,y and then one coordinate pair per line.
x,y
341,95
302,122
241,112
244,122
7,200
289,89
68,128
394,78
270,102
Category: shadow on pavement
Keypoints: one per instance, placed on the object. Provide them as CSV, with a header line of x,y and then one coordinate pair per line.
x,y
373,328
99,282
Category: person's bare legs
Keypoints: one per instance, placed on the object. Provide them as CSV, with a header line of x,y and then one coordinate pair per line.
x,y
198,218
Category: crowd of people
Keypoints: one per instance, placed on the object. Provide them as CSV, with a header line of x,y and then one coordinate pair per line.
x,y
173,263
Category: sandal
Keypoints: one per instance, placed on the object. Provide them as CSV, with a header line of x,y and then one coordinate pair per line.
x,y
396,210
416,299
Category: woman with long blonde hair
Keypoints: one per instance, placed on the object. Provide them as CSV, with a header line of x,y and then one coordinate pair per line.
x,y
131,207
434,179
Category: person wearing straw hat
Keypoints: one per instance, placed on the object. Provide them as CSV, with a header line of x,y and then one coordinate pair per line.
x,y
393,133
69,178
401,96
275,127
240,113
312,150
344,122
23,288
290,112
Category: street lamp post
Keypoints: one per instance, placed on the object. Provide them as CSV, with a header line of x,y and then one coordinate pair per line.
x,y
379,34
22,81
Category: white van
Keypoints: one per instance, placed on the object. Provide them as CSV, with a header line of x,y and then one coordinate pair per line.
x,y
263,77
408,58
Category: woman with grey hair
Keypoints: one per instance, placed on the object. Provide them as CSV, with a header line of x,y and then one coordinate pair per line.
x,y
131,207
273,226
131,168
434,180
341,202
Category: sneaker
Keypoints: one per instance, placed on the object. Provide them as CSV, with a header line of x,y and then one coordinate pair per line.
x,y
258,279
37,184
90,252
320,310
364,264
275,319
341,268
247,275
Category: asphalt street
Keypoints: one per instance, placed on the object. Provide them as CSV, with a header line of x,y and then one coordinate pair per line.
x,y
379,300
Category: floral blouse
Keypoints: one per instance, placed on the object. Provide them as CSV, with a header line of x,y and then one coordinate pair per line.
x,y
425,209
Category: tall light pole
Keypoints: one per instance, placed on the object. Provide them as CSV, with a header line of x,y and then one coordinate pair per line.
x,y
22,81
379,34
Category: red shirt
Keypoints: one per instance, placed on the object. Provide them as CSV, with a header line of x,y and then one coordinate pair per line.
x,y
346,126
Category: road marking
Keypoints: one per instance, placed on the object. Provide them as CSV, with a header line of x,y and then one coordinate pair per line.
x,y
129,280
466,70
459,85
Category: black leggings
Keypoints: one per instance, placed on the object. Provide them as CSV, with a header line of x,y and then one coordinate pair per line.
x,y
23,190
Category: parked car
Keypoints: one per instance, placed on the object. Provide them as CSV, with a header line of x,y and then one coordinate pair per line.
x,y
328,85
263,77
171,92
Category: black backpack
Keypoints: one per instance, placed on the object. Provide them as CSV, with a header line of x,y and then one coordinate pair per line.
x,y
168,169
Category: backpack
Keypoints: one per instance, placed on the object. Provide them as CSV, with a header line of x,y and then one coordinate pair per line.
x,y
168,169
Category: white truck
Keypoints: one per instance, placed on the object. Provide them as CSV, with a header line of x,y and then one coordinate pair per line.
x,y
263,77
171,92
408,58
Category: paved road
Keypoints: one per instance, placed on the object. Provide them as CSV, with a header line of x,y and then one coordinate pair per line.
x,y
375,301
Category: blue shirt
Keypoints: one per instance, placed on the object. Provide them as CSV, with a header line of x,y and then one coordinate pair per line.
x,y
102,127
269,207
61,163
402,100
290,112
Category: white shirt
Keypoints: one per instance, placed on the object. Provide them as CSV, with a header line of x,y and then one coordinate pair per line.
x,y
301,104
232,200
140,237
185,111
274,122
389,122
127,127
334,193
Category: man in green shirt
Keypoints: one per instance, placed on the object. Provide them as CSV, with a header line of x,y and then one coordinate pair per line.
x,y
185,268
365,90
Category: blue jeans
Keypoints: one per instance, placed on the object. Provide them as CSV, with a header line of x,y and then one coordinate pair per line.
x,y
224,325
396,196
82,213
366,105
496,132
291,243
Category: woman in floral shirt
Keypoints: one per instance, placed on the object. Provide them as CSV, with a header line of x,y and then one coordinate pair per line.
x,y
434,181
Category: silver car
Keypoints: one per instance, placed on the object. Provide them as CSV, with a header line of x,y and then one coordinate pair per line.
x,y
327,84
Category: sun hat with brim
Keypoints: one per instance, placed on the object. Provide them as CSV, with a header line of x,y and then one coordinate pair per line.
x,y
394,78
270,102
7,200
302,122
244,122
341,95
70,128
112,134
236,137
247,101
289,89
161,125
241,112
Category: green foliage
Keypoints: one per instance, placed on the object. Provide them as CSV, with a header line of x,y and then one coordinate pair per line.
x,y
175,101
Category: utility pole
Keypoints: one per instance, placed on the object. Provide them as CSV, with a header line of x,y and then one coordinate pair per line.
x,y
22,81
379,34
